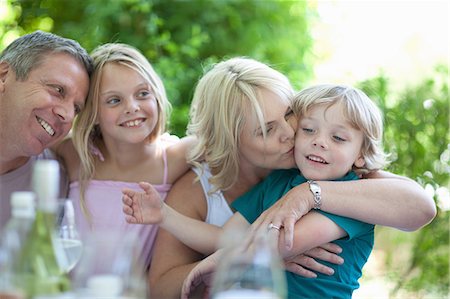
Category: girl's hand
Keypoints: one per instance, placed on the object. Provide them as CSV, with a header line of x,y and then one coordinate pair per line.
x,y
142,207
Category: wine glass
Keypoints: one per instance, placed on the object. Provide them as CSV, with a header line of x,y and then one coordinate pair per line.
x,y
68,237
109,267
250,270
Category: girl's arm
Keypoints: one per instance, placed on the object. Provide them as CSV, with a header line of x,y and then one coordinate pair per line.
x,y
148,208
384,199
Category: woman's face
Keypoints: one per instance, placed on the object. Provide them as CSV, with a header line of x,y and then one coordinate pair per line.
x,y
276,150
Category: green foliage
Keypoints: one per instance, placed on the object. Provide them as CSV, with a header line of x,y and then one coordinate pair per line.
x,y
416,134
180,37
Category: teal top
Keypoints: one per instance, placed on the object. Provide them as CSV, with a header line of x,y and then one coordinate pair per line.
x,y
356,247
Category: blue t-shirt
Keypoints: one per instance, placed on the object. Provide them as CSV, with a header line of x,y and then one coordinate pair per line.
x,y
356,247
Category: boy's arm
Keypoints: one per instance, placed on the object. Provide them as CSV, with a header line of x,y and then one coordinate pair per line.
x,y
383,199
312,230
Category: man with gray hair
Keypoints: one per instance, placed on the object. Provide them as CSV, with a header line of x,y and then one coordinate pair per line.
x,y
44,82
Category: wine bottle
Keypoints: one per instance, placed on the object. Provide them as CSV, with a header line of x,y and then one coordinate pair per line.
x,y
40,270
12,240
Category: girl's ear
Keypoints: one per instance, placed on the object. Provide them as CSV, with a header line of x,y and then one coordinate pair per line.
x,y
360,162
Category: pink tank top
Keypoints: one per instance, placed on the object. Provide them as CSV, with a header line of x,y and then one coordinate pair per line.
x,y
104,202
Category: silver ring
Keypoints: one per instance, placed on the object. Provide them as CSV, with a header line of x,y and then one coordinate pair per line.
x,y
273,226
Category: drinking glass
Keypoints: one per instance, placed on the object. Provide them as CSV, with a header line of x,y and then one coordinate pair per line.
x,y
68,238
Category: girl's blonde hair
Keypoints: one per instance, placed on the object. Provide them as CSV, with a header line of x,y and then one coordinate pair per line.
x,y
86,133
222,99
360,111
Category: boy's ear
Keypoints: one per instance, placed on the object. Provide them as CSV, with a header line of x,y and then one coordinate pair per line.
x,y
360,162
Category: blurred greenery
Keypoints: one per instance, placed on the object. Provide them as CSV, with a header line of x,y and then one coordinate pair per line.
x,y
417,136
180,38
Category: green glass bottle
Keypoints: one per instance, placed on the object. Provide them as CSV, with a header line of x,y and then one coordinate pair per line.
x,y
39,268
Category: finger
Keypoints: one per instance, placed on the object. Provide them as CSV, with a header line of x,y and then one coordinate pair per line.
x,y
127,200
312,264
288,225
331,247
127,210
130,219
297,269
128,192
145,186
319,253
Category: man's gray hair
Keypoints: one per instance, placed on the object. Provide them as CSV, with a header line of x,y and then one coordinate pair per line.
x,y
28,51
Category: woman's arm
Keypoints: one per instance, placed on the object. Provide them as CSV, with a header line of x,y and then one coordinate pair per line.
x,y
172,260
384,199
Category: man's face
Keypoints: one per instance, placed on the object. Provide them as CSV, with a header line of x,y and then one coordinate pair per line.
x,y
38,112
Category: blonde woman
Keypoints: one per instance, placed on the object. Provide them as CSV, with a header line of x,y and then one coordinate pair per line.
x,y
239,142
118,141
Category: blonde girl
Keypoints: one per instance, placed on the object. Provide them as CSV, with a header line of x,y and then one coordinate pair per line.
x,y
118,140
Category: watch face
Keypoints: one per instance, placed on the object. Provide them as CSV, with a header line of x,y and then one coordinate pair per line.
x,y
314,187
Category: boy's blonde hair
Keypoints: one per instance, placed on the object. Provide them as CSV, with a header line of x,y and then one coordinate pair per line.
x,y
360,111
222,98
86,133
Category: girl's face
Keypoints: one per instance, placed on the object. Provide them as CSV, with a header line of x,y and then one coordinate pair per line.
x,y
128,111
276,151
326,145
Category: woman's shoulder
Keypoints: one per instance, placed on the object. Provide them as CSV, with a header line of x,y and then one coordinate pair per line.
x,y
187,197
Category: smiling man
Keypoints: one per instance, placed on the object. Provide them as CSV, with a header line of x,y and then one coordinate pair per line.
x,y
44,81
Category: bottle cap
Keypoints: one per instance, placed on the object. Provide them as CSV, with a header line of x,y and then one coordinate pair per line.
x,y
23,204
107,285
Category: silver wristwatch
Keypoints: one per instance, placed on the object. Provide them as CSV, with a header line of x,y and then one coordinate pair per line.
x,y
316,191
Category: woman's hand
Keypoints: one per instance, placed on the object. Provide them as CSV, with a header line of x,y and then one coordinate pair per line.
x,y
304,264
286,212
201,274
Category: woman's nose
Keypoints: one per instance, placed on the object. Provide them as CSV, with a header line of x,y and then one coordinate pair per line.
x,y
288,133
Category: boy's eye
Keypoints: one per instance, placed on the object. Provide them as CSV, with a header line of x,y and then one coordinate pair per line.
x,y
337,138
308,130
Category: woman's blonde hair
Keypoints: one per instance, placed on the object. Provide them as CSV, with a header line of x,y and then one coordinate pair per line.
x,y
86,133
222,99
362,113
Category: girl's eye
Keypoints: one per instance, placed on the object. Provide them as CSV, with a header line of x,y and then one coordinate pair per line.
x,y
339,139
145,94
113,101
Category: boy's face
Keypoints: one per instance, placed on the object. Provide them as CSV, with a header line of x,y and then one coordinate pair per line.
x,y
326,145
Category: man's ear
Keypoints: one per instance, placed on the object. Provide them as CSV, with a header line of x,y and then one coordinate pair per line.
x,y
4,70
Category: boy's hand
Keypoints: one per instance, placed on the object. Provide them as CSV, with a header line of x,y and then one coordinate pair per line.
x,y
142,207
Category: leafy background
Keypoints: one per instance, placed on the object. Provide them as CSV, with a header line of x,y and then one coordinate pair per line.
x,y
181,38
